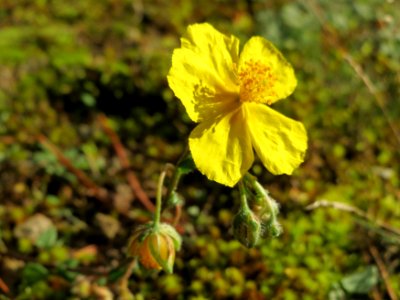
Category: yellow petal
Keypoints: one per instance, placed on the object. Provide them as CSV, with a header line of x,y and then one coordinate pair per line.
x,y
221,148
279,142
264,74
202,74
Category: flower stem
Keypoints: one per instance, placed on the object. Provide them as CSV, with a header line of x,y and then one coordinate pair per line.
x,y
176,176
157,213
243,198
124,281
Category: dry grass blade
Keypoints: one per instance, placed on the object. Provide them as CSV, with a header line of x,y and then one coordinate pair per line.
x,y
383,270
98,192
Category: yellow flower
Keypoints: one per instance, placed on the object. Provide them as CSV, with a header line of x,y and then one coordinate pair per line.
x,y
227,93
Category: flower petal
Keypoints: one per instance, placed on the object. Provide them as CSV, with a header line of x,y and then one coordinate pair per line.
x,y
221,148
202,74
279,142
265,75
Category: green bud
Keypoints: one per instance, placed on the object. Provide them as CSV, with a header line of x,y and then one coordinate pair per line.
x,y
272,228
246,227
263,206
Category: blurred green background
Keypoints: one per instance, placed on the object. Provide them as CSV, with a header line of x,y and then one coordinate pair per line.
x,y
64,63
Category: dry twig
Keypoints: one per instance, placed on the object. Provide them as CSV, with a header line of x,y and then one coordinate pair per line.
x,y
372,249
4,287
354,211
124,160
383,270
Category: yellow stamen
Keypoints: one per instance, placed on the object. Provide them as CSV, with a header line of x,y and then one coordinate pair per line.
x,y
256,82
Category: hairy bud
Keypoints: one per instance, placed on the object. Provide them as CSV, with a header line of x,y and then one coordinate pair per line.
x,y
246,227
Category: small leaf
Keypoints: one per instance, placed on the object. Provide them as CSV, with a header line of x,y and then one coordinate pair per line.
x,y
47,239
64,270
34,272
361,282
186,165
88,100
116,273
336,292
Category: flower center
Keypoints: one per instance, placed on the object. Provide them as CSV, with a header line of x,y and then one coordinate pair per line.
x,y
256,82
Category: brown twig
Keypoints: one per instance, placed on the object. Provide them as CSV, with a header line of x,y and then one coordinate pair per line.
x,y
383,270
4,287
7,139
99,270
178,214
124,160
94,190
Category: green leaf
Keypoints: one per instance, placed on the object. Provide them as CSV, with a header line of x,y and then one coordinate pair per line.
x,y
116,273
88,99
47,239
336,293
102,281
63,270
361,282
34,272
186,165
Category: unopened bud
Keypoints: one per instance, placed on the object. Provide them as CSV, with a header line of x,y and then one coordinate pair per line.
x,y
272,228
155,247
247,227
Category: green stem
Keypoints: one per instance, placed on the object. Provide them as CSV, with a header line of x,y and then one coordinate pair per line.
x,y
157,213
124,281
176,176
243,198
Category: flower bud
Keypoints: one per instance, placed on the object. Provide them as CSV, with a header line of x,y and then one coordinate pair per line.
x,y
247,227
272,228
155,247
